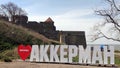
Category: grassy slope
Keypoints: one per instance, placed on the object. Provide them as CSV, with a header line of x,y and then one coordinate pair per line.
x,y
12,35
20,35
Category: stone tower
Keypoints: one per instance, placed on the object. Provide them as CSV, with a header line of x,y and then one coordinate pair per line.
x,y
49,28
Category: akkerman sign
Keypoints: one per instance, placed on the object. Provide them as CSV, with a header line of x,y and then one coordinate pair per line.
x,y
66,53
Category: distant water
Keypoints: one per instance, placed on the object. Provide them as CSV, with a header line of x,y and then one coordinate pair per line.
x,y
116,46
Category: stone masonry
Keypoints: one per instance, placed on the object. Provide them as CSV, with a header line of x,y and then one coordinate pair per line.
x,y
48,29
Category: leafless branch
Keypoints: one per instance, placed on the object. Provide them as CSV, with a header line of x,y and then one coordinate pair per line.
x,y
103,35
10,9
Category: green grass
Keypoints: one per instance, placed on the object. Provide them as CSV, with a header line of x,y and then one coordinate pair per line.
x,y
20,34
12,35
9,55
117,60
75,59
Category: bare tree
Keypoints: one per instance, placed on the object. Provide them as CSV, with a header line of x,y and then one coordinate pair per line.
x,y
10,9
110,27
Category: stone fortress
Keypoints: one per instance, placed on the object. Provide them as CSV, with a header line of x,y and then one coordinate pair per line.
x,y
48,29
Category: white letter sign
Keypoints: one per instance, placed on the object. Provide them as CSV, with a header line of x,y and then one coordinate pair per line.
x,y
73,51
67,54
35,53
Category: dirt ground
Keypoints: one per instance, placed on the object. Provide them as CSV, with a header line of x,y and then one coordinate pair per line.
x,y
21,64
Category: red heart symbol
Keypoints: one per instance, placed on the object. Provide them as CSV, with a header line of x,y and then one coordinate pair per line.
x,y
24,51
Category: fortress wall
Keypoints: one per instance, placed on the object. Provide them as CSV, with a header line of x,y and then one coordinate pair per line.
x,y
48,29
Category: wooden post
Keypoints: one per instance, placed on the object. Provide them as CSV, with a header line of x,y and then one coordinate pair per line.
x,y
60,38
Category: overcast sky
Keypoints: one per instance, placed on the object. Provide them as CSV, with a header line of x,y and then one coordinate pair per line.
x,y
68,15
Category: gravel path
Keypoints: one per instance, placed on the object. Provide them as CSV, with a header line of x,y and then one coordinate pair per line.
x,y
42,65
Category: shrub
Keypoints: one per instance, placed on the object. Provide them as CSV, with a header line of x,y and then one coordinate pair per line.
x,y
7,59
5,46
1,56
8,55
75,59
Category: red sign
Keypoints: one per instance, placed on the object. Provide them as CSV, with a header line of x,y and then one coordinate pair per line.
x,y
24,51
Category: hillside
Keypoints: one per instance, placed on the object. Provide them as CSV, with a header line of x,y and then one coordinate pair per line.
x,y
11,34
